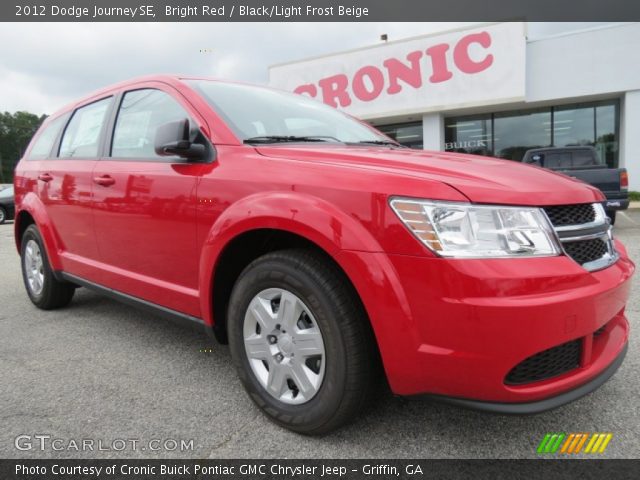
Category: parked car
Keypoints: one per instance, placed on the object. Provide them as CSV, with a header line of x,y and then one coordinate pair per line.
x,y
584,164
7,207
324,253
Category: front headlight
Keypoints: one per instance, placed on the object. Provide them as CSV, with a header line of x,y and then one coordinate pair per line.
x,y
477,231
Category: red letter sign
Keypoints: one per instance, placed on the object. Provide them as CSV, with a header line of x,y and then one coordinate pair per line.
x,y
399,71
461,53
335,87
438,54
377,83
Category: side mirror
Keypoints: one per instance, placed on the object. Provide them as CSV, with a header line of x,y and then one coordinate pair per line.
x,y
175,139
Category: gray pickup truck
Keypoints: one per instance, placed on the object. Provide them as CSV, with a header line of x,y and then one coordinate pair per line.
x,y
584,164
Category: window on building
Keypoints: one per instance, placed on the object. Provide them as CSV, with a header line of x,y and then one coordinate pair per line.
x,y
472,134
510,134
407,134
606,141
519,131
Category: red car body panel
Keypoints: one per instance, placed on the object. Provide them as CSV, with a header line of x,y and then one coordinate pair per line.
x,y
443,326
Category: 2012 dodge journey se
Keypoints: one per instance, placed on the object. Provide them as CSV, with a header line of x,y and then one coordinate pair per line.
x,y
324,253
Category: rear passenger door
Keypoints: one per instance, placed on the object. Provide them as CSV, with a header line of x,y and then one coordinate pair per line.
x,y
65,184
145,205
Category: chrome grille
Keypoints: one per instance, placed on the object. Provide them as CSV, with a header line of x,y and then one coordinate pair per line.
x,y
586,251
563,215
585,234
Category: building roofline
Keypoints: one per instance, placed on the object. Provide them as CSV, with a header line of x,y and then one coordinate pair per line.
x,y
392,42
581,31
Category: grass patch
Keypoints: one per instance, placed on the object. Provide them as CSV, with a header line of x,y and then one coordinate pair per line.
x,y
634,196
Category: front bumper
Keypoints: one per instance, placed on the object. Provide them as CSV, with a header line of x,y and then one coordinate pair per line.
x,y
530,408
456,328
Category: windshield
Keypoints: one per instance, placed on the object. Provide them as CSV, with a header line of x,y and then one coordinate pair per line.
x,y
266,116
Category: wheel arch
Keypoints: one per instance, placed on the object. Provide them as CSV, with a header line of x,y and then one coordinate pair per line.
x,y
263,223
32,211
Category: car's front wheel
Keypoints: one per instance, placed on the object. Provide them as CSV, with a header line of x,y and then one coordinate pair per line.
x,y
3,215
44,290
301,342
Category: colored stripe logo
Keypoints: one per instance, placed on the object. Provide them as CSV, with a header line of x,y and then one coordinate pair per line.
x,y
573,443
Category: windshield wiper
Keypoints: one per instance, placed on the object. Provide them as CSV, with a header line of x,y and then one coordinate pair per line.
x,y
289,138
380,142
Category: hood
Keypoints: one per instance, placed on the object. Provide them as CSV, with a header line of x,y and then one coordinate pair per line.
x,y
480,179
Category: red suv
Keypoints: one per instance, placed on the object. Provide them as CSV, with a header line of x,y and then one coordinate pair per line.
x,y
324,253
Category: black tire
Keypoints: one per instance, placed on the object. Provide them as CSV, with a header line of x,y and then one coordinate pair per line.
x,y
612,216
54,293
352,360
4,215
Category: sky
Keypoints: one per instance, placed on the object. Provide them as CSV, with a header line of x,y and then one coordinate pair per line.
x,y
47,65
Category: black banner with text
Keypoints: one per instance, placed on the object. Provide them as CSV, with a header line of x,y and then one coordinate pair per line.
x,y
315,469
316,10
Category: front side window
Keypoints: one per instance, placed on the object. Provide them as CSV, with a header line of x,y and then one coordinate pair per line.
x,y
141,113
82,136
261,112
44,143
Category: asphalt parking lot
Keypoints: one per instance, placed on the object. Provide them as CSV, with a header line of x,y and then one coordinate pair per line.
x,y
103,371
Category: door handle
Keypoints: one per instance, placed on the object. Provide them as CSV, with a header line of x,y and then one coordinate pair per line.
x,y
45,177
104,180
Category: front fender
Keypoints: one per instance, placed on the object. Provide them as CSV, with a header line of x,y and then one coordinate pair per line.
x,y
302,214
31,204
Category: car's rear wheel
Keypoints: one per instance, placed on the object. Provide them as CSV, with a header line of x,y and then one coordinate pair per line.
x,y
3,215
44,290
301,341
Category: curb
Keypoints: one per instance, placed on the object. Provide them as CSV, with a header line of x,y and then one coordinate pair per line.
x,y
634,205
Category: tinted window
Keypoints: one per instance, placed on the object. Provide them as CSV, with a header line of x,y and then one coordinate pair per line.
x,y
594,124
516,132
557,160
606,136
469,135
141,113
81,137
573,126
584,158
407,134
44,143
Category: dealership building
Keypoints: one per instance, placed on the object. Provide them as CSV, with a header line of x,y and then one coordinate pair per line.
x,y
489,90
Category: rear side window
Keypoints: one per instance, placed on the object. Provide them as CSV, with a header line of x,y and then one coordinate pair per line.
x,y
557,160
584,158
44,143
82,136
141,113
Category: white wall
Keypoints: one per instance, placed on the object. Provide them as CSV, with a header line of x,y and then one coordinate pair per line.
x,y
630,138
593,62
433,131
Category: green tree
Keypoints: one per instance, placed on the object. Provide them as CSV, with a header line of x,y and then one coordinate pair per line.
x,y
16,130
